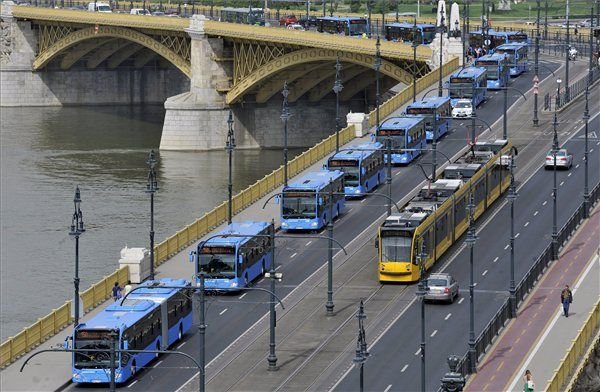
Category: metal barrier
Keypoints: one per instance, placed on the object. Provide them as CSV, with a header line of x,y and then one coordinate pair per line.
x,y
575,89
48,326
567,365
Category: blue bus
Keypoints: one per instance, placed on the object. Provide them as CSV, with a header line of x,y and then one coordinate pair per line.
x,y
516,55
148,319
305,203
427,107
497,69
346,25
470,82
496,38
403,32
407,135
363,167
252,16
231,262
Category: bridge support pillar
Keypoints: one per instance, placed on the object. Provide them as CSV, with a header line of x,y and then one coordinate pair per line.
x,y
197,120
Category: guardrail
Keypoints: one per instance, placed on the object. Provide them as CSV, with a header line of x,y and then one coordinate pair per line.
x,y
48,326
563,373
389,106
575,89
496,324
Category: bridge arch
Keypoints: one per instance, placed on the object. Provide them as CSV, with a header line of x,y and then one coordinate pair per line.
x,y
79,36
308,56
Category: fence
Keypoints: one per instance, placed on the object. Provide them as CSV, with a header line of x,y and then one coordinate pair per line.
x,y
493,328
48,326
575,89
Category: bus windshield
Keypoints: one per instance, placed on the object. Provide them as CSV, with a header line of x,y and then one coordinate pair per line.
x,y
299,205
358,27
351,175
492,71
461,90
218,261
428,34
395,248
95,340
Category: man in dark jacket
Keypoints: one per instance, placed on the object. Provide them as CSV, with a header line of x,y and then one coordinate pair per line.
x,y
566,297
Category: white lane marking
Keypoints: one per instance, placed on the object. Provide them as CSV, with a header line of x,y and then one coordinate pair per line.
x,y
157,363
132,384
448,316
591,150
598,143
308,243
484,273
260,281
279,266
535,213
507,246
404,368
180,345
363,200
474,284
293,255
545,202
561,183
243,295
389,386
496,259
433,333
349,210
397,174
577,166
223,311
418,351
526,224
460,301
569,175
518,234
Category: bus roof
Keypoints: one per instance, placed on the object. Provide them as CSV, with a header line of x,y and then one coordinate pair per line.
x,y
511,46
135,306
401,122
241,9
491,57
430,102
408,24
358,151
248,228
469,72
315,181
340,18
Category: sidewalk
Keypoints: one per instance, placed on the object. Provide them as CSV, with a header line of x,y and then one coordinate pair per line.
x,y
540,335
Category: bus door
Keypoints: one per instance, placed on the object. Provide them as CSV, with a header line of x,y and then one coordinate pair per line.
x,y
164,322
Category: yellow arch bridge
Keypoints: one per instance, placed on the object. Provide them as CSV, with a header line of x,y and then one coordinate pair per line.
x,y
257,59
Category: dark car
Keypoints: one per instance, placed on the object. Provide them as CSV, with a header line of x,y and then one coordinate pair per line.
x,y
311,21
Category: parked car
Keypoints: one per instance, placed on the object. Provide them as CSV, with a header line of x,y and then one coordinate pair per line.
x,y
463,108
564,160
296,26
441,287
158,13
311,21
139,11
288,20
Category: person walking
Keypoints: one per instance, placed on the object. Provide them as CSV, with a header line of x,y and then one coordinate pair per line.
x,y
116,291
127,287
529,384
566,298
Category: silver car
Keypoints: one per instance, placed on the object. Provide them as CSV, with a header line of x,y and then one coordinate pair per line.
x,y
564,160
441,287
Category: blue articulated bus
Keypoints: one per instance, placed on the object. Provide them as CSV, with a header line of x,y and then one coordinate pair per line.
x,y
496,38
305,203
470,82
403,32
516,55
363,167
151,318
407,135
346,25
497,69
428,107
231,262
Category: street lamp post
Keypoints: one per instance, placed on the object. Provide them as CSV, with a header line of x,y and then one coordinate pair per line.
x,y
414,65
464,33
546,20
285,115
512,196
361,345
441,30
76,230
329,304
369,5
201,331
567,95
471,238
536,68
151,188
377,67
272,358
337,89
229,147
555,147
422,290
586,119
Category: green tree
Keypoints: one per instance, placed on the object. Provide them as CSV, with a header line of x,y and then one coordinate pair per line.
x,y
354,6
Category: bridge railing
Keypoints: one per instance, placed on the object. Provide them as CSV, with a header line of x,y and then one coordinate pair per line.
x,y
49,325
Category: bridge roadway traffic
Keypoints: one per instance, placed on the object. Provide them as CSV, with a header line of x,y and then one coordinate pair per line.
x,y
395,360
230,316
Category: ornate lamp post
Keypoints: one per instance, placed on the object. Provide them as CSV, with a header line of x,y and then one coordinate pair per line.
x,y
555,147
441,30
512,196
369,10
361,345
536,68
377,66
586,119
337,89
229,147
285,115
471,238
151,188
76,230
422,290
567,92
415,44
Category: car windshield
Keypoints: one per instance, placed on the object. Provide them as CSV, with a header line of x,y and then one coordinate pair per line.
x,y
395,249
463,105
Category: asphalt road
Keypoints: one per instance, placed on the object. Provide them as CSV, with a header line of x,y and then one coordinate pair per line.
x,y
231,315
395,361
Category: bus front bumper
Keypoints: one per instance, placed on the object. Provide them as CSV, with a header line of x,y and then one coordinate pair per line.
x,y
95,376
354,191
397,272
300,224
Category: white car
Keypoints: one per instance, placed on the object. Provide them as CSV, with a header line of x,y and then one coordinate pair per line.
x,y
564,160
463,108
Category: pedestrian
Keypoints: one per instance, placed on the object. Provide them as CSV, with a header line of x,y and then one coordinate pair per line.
x,y
127,287
566,298
116,291
529,385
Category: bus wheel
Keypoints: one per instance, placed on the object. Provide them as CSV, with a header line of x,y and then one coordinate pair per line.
x,y
157,348
246,280
133,369
262,269
337,214
180,333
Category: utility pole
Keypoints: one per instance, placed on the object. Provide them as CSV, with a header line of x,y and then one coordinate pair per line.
x,y
471,238
76,230
536,69
337,89
329,304
567,92
229,147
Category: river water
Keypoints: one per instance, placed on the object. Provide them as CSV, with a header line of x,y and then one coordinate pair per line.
x,y
46,152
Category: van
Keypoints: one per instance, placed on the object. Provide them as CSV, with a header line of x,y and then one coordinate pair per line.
x,y
99,7
139,11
